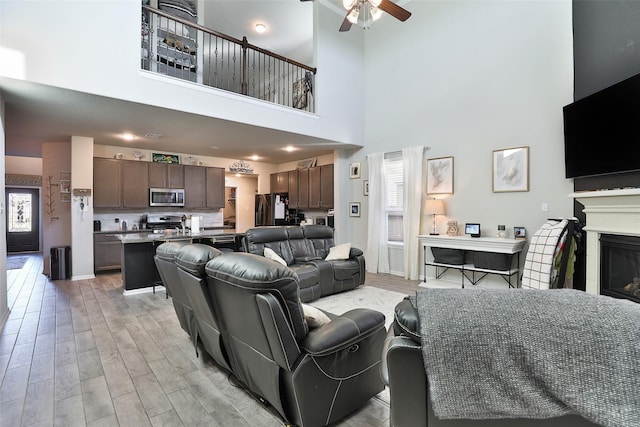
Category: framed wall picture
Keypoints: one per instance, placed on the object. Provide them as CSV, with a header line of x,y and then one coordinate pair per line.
x,y
511,169
440,175
165,158
354,209
365,187
354,170
65,186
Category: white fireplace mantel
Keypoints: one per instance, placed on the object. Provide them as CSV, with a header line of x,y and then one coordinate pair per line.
x,y
607,212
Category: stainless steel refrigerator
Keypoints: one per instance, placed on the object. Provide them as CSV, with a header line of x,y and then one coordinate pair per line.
x,y
271,209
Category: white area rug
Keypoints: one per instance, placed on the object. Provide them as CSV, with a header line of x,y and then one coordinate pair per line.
x,y
363,297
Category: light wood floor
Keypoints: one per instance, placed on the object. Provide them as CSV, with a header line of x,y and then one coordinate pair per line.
x,y
80,353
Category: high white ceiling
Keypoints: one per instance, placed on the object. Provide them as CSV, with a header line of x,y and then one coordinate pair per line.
x,y
37,113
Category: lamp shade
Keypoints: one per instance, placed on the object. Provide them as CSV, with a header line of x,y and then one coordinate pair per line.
x,y
435,207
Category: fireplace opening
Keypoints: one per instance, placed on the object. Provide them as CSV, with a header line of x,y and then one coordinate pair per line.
x,y
620,266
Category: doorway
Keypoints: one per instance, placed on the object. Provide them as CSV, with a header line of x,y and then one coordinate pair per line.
x,y
229,211
23,219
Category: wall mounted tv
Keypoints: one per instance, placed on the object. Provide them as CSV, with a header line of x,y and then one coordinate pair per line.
x,y
602,131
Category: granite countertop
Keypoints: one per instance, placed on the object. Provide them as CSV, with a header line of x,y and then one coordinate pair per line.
x,y
138,237
130,231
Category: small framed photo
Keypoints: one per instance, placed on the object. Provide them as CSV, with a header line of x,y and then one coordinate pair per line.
x,y
354,170
440,175
365,187
354,209
511,170
519,233
65,186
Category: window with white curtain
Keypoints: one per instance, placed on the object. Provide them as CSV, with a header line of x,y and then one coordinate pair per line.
x,y
395,203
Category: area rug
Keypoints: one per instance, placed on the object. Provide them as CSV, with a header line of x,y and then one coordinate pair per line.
x,y
363,297
16,262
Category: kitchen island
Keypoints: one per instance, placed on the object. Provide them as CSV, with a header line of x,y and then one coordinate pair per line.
x,y
139,271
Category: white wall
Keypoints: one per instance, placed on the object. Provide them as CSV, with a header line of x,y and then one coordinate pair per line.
x,y
4,308
80,50
81,208
477,76
23,165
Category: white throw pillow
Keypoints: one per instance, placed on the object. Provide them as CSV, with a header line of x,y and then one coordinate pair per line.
x,y
314,317
270,253
339,252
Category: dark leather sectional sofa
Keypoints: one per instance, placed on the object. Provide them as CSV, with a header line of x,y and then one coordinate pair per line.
x,y
304,250
245,311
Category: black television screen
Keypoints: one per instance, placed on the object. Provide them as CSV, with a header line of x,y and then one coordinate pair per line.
x,y
602,131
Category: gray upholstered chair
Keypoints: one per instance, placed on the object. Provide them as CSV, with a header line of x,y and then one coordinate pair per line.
x,y
312,378
165,263
190,262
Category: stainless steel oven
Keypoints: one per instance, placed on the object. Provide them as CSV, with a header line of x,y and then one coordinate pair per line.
x,y
166,197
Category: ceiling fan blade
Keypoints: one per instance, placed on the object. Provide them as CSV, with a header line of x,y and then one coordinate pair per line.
x,y
346,24
394,10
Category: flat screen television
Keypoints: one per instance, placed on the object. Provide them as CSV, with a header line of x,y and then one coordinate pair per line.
x,y
602,131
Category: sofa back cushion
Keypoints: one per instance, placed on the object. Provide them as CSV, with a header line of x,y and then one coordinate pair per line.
x,y
274,238
319,239
193,258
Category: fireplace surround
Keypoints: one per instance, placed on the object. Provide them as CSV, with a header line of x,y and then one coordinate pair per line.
x,y
608,212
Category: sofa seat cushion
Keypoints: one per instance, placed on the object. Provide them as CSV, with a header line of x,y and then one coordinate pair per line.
x,y
193,258
345,269
308,274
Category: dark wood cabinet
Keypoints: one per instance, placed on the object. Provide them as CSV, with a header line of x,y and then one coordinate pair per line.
x,y
215,188
135,184
280,182
294,190
166,175
321,187
107,183
107,252
303,189
195,187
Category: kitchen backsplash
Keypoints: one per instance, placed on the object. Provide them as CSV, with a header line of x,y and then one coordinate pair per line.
x,y
209,219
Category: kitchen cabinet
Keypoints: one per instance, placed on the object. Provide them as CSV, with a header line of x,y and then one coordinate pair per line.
x,y
107,183
195,187
135,184
106,252
303,189
280,182
166,175
215,188
321,187
294,193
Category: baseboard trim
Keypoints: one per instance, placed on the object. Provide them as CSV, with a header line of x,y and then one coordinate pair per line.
x,y
85,277
140,290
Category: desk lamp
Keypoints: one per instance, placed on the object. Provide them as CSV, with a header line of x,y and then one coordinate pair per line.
x,y
434,207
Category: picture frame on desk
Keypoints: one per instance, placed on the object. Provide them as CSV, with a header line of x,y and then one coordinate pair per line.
x,y
519,233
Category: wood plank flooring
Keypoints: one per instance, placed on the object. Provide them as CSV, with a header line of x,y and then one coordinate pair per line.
x,y
80,353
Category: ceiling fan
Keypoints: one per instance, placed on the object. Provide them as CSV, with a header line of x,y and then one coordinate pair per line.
x,y
371,10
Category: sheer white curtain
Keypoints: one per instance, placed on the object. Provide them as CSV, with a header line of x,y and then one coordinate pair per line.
x,y
377,246
412,165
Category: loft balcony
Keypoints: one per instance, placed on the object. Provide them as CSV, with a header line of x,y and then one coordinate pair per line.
x,y
178,48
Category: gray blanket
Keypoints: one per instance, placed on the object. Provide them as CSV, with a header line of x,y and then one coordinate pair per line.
x,y
531,354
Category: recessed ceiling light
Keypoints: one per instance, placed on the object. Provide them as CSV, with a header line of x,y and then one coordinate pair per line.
x,y
128,136
289,148
261,28
255,157
153,135
214,147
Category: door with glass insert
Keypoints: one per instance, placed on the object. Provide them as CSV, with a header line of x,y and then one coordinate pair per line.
x,y
23,230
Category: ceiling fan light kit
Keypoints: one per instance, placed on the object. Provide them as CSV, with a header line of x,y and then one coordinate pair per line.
x,y
371,11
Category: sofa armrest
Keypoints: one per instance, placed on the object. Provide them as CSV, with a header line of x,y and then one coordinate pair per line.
x,y
355,252
343,331
304,259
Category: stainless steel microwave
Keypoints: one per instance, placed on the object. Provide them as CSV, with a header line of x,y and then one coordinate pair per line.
x,y
166,197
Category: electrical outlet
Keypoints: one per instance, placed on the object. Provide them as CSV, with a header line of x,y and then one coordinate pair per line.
x,y
545,207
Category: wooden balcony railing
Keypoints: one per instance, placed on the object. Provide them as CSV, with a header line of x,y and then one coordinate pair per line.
x,y
179,48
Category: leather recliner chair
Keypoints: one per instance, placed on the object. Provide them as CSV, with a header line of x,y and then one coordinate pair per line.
x,y
165,263
404,373
312,378
190,261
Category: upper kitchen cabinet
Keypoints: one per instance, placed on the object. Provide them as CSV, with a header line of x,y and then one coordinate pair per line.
x,y
215,188
294,189
280,182
107,183
195,187
135,184
303,189
166,175
321,187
